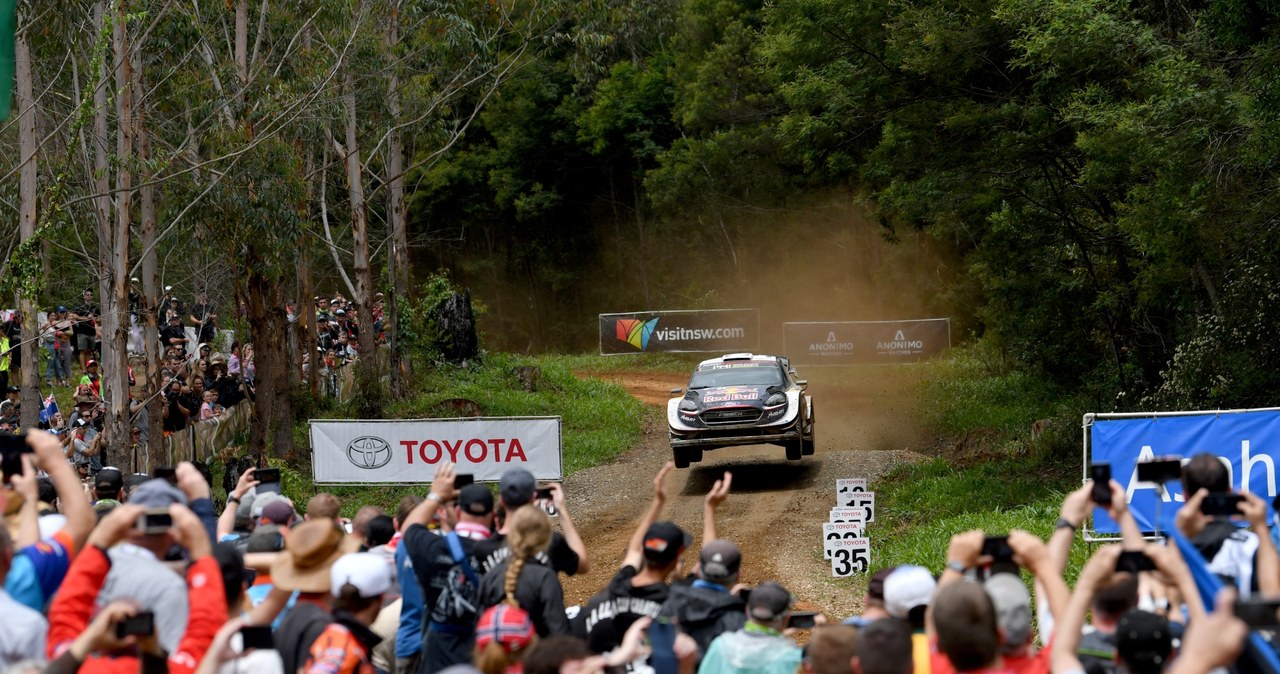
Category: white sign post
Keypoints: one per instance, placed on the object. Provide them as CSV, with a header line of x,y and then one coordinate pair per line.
x,y
408,451
850,556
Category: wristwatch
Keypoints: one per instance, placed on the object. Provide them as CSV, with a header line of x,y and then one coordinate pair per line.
x,y
434,497
957,566
1064,523
233,499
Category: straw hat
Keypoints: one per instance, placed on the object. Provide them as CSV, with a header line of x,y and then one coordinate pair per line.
x,y
312,547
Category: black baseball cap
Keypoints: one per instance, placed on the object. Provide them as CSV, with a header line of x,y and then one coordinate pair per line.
x,y
517,486
475,499
664,541
720,561
1144,642
768,602
109,479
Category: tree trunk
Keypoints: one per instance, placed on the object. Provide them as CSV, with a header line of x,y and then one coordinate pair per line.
x,y
156,455
113,258
366,366
242,55
273,408
398,260
306,307
27,143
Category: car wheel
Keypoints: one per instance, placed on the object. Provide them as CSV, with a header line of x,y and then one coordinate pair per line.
x,y
685,456
795,450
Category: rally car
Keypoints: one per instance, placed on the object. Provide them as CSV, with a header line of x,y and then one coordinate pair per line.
x,y
741,399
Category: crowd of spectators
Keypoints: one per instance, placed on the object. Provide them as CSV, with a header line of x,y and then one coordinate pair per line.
x,y
138,573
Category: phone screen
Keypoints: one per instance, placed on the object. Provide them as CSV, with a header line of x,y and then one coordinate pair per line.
x,y
463,479
1258,613
801,619
1160,470
1100,473
268,480
544,494
1134,561
168,473
257,637
1221,504
141,625
12,447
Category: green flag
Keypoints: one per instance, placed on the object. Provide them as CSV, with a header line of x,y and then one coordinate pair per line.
x,y
8,22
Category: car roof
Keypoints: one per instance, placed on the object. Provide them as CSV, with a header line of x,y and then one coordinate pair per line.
x,y
739,359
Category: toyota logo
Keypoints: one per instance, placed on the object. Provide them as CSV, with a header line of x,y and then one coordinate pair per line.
x,y
369,452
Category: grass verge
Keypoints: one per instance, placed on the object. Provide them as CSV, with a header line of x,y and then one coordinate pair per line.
x,y
989,474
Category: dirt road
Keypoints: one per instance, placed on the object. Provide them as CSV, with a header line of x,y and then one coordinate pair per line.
x,y
866,423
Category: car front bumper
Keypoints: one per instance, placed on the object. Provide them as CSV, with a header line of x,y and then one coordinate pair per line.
x,y
725,437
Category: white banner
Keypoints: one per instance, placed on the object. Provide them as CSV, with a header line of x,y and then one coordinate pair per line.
x,y
384,451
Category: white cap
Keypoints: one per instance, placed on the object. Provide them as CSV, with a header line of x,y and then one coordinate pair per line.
x,y
168,288
260,501
906,588
369,573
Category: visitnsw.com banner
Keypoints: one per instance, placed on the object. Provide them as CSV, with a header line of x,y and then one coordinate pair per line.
x,y
862,342
1247,442
711,330
391,451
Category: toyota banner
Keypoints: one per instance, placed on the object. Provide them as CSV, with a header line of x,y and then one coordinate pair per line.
x,y
710,330
385,451
863,342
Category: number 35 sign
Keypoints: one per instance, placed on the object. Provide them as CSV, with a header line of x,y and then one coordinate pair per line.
x,y
849,556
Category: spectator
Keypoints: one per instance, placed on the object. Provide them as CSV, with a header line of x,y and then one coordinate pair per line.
x,y
884,647
73,604
503,635
85,320
967,634
24,634
57,337
759,647
204,319
11,406
86,444
360,524
109,484
233,361
324,504
206,408
92,378
311,550
566,553
6,354
522,580
446,567
640,587
176,414
832,649
706,608
358,581
409,635
873,601
172,335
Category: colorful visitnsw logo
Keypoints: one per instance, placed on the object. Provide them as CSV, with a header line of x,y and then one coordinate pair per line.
x,y
636,332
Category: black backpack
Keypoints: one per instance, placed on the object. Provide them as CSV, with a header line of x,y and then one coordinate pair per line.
x,y
458,605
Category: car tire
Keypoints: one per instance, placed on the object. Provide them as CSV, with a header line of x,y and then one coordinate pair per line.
x,y
685,456
795,450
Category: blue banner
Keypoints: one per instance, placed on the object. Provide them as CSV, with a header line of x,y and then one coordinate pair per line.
x,y
1247,442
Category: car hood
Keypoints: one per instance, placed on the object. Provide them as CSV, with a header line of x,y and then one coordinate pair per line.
x,y
731,396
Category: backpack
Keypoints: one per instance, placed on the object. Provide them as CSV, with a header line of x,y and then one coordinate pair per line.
x,y
457,607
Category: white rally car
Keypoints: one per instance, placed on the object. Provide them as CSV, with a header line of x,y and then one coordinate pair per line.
x,y
741,399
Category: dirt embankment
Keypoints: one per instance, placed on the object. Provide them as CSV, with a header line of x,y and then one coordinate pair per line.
x,y
866,424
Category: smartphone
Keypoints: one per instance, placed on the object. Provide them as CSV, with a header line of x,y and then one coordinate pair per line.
x,y
166,473
1221,504
1134,561
257,637
463,479
1100,473
744,594
268,480
1258,613
801,620
12,447
544,494
997,548
142,625
155,522
1164,469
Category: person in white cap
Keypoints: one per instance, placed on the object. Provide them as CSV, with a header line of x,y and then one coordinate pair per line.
x,y
346,646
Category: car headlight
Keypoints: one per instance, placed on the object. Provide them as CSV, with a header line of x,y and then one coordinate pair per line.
x,y
776,400
687,405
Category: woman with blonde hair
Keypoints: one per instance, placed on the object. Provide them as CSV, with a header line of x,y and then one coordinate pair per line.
x,y
524,579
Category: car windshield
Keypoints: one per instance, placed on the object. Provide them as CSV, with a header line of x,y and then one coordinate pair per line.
x,y
763,375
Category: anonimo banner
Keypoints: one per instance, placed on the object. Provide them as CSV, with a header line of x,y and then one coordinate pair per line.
x,y
1246,442
386,451
711,330
860,342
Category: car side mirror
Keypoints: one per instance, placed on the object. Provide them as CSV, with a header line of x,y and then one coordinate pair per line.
x,y
676,391
802,382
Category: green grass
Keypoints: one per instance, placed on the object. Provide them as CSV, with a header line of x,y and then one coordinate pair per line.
x,y
599,420
990,475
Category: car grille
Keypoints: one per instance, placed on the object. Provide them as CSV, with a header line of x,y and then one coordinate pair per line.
x,y
735,415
